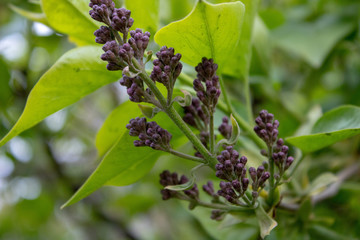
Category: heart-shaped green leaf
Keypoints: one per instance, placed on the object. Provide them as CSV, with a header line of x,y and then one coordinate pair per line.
x,y
240,56
76,74
210,30
334,126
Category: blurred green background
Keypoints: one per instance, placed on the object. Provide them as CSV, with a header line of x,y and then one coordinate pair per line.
x,y
306,59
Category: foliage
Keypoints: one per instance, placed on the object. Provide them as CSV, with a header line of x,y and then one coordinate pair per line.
x,y
293,58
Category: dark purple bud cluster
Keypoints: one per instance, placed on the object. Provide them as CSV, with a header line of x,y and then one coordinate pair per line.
x,y
258,177
118,52
168,179
206,73
139,42
103,35
102,10
167,67
121,20
280,156
111,55
266,127
135,89
195,115
149,133
204,138
232,169
225,128
117,18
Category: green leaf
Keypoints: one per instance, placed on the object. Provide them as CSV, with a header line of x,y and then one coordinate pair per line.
x,y
325,33
124,164
240,56
114,126
182,187
188,184
144,13
71,17
76,74
334,126
149,111
266,223
33,16
320,183
208,31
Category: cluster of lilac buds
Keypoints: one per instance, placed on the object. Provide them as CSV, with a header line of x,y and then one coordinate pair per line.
x,y
117,19
103,35
167,67
139,42
102,10
281,158
195,115
225,128
206,73
266,127
230,167
118,51
150,134
258,177
135,89
233,170
169,179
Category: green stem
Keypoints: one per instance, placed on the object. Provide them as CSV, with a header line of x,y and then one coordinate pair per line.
x,y
227,108
243,125
271,179
186,156
248,98
176,118
174,115
224,207
212,135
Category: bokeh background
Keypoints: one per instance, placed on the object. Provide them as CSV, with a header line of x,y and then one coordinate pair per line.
x,y
306,59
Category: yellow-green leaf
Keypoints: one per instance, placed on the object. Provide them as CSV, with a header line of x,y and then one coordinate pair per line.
x,y
210,30
76,74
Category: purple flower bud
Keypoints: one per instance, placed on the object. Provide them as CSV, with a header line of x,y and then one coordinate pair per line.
x,y
206,73
288,163
169,65
245,184
103,35
225,128
150,134
209,188
264,152
252,172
